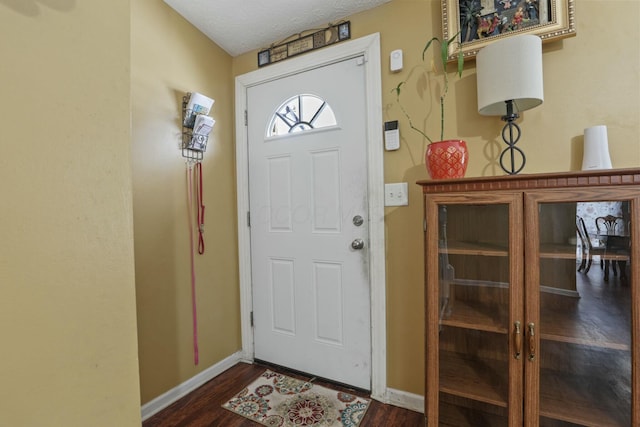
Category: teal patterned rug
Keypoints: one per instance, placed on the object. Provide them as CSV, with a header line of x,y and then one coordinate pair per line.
x,y
276,400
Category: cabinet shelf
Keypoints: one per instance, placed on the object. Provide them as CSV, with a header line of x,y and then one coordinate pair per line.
x,y
452,415
569,331
474,248
483,380
591,320
565,397
587,401
558,327
557,251
547,250
474,315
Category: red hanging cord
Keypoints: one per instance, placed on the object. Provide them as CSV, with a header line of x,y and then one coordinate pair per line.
x,y
200,208
192,256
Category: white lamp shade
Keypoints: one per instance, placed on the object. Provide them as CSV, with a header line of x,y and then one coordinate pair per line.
x,y
596,149
510,69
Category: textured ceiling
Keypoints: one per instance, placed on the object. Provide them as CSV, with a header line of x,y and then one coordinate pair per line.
x,y
239,26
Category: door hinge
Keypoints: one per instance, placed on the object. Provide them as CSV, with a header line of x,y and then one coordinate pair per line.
x,y
246,118
248,219
251,318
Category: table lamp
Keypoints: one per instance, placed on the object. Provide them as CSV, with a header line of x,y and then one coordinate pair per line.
x,y
509,73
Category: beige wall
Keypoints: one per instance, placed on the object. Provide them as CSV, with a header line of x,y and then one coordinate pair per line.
x,y
68,351
67,314
169,58
589,79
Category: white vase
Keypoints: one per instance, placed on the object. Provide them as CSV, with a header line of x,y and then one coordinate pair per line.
x,y
596,149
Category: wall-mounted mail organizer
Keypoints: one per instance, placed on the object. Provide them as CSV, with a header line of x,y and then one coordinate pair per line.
x,y
196,125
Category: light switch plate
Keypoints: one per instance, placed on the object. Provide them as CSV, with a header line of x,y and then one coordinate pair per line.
x,y
396,194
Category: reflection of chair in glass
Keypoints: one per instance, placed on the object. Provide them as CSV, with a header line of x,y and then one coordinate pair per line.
x,y
588,250
608,225
618,252
615,242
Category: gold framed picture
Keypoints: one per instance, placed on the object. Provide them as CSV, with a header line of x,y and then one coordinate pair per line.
x,y
478,22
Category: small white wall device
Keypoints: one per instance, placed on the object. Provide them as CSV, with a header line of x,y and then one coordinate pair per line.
x,y
391,135
596,149
396,60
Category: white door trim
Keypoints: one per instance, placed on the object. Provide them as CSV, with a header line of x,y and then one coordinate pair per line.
x,y
369,46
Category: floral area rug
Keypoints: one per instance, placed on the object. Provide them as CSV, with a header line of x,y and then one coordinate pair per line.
x,y
276,400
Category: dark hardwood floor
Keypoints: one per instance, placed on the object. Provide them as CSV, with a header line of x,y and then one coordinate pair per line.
x,y
203,407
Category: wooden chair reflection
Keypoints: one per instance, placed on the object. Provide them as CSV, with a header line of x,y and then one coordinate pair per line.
x,y
609,225
616,244
588,250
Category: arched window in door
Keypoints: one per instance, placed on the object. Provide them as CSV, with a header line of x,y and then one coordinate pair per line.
x,y
301,113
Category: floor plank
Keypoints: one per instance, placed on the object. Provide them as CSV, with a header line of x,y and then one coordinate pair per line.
x,y
203,407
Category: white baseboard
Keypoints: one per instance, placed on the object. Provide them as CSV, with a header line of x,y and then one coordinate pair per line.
x,y
156,405
406,400
402,399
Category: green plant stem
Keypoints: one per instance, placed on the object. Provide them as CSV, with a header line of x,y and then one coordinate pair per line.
x,y
444,52
409,118
442,118
442,98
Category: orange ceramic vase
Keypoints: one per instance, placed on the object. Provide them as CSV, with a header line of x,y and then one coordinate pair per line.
x,y
447,159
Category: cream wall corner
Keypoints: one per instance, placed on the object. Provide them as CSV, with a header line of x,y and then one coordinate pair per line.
x,y
67,298
170,58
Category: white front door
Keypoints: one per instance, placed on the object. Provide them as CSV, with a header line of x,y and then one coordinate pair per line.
x,y
308,204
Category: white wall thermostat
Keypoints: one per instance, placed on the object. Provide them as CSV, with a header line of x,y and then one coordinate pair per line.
x,y
396,60
391,135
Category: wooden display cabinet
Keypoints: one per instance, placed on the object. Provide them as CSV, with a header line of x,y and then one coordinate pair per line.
x,y
515,336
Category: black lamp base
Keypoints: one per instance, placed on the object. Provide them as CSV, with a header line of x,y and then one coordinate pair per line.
x,y
511,135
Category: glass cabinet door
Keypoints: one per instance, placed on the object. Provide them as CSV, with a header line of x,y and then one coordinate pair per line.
x,y
578,363
474,319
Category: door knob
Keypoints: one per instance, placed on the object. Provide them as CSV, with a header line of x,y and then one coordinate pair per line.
x,y
357,244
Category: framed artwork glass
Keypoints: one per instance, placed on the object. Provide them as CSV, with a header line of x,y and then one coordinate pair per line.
x,y
478,22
